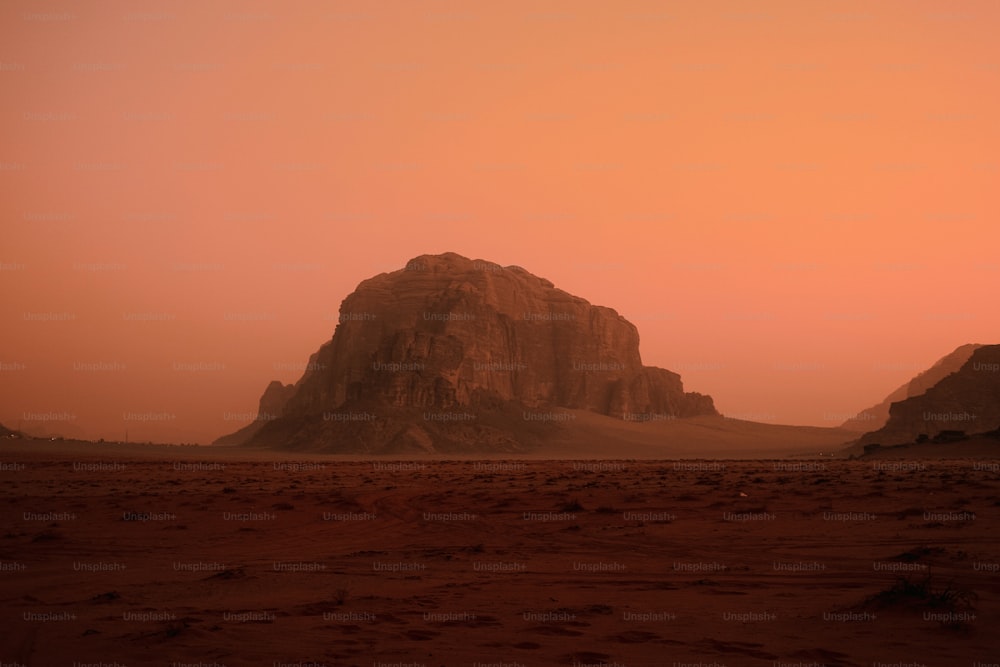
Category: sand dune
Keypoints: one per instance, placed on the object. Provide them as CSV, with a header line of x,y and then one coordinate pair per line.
x,y
592,435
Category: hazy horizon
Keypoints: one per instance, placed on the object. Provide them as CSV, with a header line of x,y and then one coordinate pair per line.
x,y
170,425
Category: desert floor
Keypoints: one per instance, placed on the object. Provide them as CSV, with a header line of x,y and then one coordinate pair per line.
x,y
238,560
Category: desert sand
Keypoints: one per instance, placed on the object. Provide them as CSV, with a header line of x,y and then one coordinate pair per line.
x,y
183,555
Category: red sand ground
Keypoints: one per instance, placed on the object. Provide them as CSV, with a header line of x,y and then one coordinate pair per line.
x,y
245,560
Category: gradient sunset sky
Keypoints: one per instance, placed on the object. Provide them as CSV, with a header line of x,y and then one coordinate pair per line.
x,y
796,202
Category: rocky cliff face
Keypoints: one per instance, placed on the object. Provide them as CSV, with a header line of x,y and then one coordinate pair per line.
x,y
271,406
877,415
967,400
448,336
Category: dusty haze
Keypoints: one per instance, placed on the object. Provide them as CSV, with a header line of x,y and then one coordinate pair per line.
x,y
791,202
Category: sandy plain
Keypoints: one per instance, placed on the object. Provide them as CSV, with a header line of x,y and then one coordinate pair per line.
x,y
196,556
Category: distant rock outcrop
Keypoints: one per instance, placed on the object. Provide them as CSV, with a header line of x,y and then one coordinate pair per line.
x,y
965,402
877,415
452,354
271,406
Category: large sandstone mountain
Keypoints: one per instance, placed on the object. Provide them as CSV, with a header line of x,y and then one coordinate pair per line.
x,y
877,415
964,402
454,354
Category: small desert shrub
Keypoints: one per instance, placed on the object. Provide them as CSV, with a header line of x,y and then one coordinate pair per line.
x,y
341,592
572,506
917,553
927,595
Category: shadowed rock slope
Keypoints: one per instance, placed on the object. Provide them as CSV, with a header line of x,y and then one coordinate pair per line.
x,y
966,402
877,415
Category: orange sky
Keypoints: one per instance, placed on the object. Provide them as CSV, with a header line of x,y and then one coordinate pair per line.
x,y
795,202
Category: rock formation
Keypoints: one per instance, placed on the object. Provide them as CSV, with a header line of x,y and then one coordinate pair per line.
x,y
877,415
964,402
452,354
271,406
